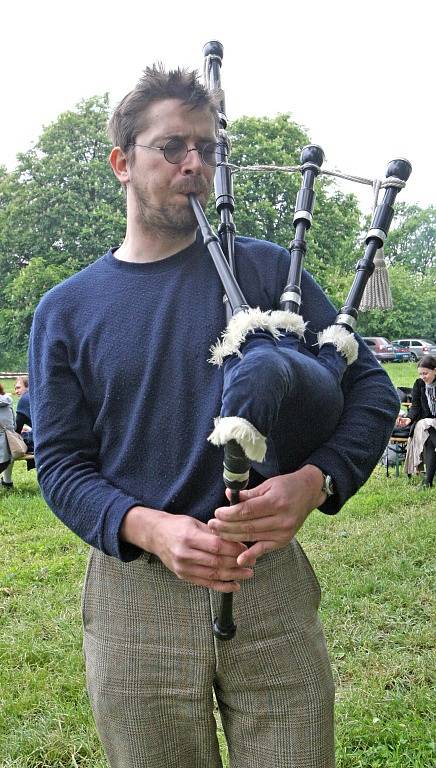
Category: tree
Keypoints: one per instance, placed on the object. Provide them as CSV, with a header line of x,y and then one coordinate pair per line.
x,y
32,280
62,203
62,207
414,307
412,240
265,201
59,210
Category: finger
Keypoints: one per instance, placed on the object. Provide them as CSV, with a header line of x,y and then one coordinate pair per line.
x,y
250,558
251,536
255,551
247,530
211,575
221,568
245,510
208,541
185,561
250,493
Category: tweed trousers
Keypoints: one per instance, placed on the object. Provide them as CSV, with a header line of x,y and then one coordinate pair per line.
x,y
153,667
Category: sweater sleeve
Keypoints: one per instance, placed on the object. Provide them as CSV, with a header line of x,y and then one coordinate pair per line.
x,y
66,449
20,421
415,410
371,406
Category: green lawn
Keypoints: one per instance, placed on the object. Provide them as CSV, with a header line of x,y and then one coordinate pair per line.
x,y
375,562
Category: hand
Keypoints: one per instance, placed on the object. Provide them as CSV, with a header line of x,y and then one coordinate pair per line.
x,y
403,421
271,514
187,547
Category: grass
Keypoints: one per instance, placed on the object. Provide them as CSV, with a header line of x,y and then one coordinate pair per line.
x,y
375,562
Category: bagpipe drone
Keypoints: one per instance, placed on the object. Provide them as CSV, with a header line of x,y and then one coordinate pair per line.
x,y
261,352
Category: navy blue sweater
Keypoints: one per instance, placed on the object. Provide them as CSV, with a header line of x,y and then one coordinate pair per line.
x,y
123,398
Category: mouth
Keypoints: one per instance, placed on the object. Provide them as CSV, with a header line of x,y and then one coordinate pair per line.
x,y
191,188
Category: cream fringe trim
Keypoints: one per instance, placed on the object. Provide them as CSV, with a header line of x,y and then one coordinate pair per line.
x,y
344,341
234,428
243,323
288,321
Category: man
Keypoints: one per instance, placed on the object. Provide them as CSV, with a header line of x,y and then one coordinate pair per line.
x,y
21,386
123,401
24,418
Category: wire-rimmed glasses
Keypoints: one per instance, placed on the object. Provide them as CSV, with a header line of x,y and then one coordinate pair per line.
x,y
176,151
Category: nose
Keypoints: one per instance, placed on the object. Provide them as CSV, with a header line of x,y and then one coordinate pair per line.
x,y
192,162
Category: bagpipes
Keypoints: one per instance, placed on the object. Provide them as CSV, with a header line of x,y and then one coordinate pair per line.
x,y
261,352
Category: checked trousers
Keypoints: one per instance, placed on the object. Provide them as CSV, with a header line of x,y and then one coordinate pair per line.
x,y
153,667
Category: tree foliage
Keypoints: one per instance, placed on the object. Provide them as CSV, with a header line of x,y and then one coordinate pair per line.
x,y
62,208
414,307
265,201
412,240
60,202
59,210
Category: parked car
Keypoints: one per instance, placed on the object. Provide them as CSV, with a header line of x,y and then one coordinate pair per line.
x,y
402,354
381,348
417,347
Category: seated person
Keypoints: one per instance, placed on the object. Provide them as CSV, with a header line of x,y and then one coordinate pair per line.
x,y
422,420
7,421
23,418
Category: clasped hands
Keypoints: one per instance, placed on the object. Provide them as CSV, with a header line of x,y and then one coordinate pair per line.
x,y
214,555
270,514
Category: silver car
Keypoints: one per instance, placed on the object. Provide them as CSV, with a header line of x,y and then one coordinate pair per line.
x,y
417,347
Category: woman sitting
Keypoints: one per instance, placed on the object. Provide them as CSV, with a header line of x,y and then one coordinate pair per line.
x,y
422,418
7,421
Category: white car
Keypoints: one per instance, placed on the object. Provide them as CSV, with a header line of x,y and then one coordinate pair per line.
x,y
417,347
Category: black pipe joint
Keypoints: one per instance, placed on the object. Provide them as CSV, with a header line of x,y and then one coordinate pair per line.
x,y
383,216
301,245
305,200
235,463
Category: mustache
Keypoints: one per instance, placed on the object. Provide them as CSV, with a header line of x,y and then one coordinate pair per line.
x,y
194,186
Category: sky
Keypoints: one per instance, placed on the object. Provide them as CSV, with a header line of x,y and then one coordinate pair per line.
x,y
358,76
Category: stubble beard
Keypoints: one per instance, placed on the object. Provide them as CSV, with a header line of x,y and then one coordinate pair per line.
x,y
171,219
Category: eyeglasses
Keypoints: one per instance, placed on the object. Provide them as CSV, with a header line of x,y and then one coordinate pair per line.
x,y
175,151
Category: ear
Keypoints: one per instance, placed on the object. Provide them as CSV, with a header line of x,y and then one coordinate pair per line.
x,y
118,161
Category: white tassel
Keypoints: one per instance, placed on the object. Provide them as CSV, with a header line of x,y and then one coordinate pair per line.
x,y
235,428
344,341
377,293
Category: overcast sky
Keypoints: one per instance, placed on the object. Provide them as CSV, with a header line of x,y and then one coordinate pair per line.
x,y
358,76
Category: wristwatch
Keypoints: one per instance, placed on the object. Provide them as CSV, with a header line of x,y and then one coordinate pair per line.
x,y
328,486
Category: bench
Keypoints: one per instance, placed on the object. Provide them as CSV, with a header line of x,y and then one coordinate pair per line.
x,y
396,441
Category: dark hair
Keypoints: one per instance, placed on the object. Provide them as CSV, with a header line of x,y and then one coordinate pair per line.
x,y
427,361
129,117
2,390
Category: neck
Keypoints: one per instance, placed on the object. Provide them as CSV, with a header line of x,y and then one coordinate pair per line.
x,y
152,246
146,245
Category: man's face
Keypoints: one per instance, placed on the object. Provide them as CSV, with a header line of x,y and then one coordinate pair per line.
x,y
160,189
19,388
